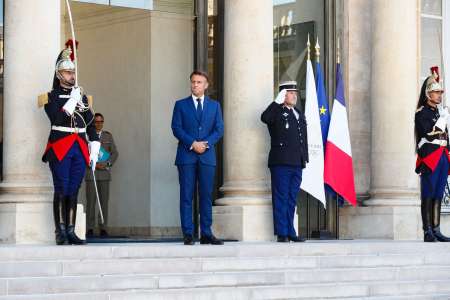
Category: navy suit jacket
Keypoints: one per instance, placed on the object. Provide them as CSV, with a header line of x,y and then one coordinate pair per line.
x,y
187,128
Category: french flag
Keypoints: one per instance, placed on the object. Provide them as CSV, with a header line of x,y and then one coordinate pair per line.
x,y
338,168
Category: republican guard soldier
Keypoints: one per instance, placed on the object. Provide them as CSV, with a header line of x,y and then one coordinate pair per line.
x,y
431,131
68,152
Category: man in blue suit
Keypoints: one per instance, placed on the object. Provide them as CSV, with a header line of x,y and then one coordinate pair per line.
x,y
197,124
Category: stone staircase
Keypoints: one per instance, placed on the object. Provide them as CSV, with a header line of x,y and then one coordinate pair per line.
x,y
312,270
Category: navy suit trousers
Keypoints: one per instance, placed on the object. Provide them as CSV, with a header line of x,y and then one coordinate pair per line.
x,y
285,187
189,175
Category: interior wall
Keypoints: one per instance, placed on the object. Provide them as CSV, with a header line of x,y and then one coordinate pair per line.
x,y
136,63
114,59
172,61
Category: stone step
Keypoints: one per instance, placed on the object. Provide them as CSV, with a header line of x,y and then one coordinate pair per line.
x,y
374,291
195,265
172,250
91,283
408,297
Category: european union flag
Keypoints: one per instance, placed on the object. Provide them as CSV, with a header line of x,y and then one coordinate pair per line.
x,y
322,100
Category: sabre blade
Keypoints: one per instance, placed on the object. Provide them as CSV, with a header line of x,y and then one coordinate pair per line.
x,y
98,198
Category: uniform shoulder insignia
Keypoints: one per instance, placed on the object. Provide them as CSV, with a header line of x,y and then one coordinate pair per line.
x,y
90,99
42,99
419,109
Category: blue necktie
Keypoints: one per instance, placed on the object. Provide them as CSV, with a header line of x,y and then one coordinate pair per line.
x,y
199,109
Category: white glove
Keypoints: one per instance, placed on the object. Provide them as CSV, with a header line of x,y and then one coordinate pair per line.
x,y
444,117
70,105
281,97
76,93
94,150
75,98
443,111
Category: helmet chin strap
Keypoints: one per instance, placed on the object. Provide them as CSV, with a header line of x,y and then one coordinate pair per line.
x,y
64,82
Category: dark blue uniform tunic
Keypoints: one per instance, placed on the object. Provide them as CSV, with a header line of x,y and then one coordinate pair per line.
x,y
432,159
288,156
66,152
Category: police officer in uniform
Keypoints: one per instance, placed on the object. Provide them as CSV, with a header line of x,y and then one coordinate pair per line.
x,y
288,156
432,164
68,152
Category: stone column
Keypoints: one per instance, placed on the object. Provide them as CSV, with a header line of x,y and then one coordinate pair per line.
x,y
245,211
392,210
32,43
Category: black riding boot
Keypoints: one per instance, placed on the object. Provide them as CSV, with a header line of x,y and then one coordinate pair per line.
x,y
59,218
71,216
427,211
437,221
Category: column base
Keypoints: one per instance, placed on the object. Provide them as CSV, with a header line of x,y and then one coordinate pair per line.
x,y
245,222
393,219
32,223
26,215
445,224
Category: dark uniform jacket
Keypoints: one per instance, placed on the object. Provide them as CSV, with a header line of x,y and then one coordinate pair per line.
x,y
289,143
429,154
59,142
107,141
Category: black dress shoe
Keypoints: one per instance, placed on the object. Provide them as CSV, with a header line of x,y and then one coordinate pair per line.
x,y
428,236
296,239
61,235
188,240
282,239
211,240
439,236
73,238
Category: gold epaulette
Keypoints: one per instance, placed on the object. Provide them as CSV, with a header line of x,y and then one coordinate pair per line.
x,y
42,99
419,109
90,100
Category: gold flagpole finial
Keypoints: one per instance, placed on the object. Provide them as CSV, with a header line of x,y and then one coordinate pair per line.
x,y
338,56
308,45
317,50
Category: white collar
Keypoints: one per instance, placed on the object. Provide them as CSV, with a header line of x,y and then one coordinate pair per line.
x,y
201,98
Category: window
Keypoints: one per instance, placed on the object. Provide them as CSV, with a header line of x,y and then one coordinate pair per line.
x,y
293,21
431,43
143,4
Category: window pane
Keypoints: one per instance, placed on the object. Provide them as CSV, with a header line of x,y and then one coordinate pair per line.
x,y
432,7
145,4
293,21
431,44
105,2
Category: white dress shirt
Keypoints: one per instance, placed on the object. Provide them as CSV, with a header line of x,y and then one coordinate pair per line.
x,y
194,98
202,99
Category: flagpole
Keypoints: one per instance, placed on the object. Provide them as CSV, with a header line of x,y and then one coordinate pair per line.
x,y
317,50
308,46
338,56
338,61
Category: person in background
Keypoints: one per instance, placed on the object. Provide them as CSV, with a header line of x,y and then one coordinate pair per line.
x,y
107,157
